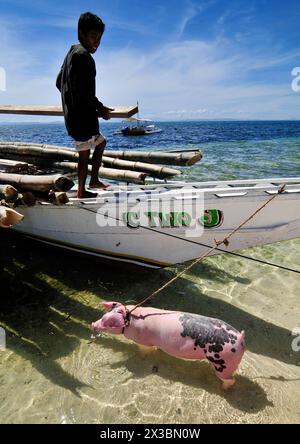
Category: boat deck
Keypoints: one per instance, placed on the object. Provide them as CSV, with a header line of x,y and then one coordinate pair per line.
x,y
171,189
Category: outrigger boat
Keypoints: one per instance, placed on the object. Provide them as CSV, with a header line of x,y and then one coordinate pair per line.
x,y
166,222
138,127
114,225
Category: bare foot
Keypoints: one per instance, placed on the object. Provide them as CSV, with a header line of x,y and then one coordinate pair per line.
x,y
85,195
99,185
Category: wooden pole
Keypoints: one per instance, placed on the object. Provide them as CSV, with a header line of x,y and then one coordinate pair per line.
x,y
108,173
158,171
12,166
37,183
9,217
27,198
180,159
119,112
58,198
58,153
37,151
8,193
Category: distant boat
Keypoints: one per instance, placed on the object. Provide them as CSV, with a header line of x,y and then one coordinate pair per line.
x,y
139,127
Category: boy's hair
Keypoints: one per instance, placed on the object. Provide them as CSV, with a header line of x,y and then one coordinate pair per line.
x,y
89,22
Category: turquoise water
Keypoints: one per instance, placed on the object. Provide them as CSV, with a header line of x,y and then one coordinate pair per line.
x,y
232,150
50,372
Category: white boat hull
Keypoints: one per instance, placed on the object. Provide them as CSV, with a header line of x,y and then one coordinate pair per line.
x,y
81,225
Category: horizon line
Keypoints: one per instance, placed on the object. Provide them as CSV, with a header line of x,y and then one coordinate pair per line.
x,y
224,119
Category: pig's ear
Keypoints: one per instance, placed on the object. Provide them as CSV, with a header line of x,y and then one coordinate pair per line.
x,y
110,305
113,321
118,321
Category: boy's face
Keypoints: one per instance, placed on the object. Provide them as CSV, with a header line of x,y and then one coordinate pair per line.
x,y
91,40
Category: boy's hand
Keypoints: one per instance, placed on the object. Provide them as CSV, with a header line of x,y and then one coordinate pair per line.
x,y
106,112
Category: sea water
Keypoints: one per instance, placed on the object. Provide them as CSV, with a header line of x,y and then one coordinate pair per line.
x,y
51,371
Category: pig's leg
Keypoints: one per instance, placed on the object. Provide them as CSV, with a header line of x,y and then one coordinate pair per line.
x,y
227,383
146,351
223,371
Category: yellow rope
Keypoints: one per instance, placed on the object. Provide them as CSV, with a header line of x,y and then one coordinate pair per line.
x,y
225,241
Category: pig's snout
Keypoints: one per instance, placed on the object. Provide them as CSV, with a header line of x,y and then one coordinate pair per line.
x,y
96,326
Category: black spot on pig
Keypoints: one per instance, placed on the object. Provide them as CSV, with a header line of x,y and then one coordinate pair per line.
x,y
207,331
219,364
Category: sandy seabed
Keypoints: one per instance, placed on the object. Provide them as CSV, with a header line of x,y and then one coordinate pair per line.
x,y
50,372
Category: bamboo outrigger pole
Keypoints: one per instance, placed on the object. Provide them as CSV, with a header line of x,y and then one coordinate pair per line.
x,y
178,158
107,173
22,150
161,172
43,155
8,193
59,153
9,217
37,183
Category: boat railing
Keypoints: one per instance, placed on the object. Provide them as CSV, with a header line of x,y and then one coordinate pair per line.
x,y
181,185
190,191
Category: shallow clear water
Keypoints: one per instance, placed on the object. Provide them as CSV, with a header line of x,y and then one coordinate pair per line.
x,y
50,372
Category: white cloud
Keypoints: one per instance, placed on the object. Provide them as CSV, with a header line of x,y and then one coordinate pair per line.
x,y
187,79
193,75
192,11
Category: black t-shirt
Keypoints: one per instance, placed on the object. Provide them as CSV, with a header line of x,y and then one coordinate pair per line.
x,y
77,83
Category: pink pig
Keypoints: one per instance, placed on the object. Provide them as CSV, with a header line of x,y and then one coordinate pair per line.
x,y
183,335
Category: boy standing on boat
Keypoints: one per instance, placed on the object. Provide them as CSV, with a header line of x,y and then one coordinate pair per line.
x,y
77,83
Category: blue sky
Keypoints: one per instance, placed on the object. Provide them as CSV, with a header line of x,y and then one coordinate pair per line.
x,y
182,59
